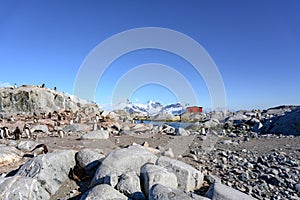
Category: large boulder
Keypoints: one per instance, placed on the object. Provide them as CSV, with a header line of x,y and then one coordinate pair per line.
x,y
167,129
103,192
142,127
99,134
18,187
162,116
40,128
51,170
152,174
122,161
288,124
188,178
211,123
219,191
9,155
160,192
26,145
89,159
192,117
76,128
129,184
182,132
237,118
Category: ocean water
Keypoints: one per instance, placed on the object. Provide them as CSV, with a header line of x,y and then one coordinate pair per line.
x,y
173,124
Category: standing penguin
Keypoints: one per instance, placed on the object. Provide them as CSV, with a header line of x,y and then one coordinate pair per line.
x,y
1,133
6,132
27,131
95,126
60,133
17,133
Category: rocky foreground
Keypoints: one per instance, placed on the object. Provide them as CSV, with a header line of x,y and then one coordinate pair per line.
x,y
93,154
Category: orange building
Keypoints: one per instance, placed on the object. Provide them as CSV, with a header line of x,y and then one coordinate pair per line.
x,y
194,109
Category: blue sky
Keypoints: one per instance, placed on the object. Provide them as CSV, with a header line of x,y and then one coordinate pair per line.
x,y
255,45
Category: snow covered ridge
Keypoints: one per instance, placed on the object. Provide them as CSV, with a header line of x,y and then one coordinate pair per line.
x,y
151,108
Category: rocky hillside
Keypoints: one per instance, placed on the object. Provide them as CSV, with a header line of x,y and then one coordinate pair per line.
x,y
36,100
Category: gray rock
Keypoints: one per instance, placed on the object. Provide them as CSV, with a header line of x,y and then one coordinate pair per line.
x,y
212,179
9,155
152,174
227,142
122,161
103,192
99,134
182,132
257,127
188,178
167,129
162,116
237,118
297,187
75,128
89,159
168,153
26,145
18,187
211,123
287,124
129,184
218,191
40,128
160,192
51,170
142,127
32,99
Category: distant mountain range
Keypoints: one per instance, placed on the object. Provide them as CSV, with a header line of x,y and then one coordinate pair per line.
x,y
152,108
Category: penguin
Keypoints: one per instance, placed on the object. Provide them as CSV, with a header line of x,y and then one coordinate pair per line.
x,y
39,149
6,132
95,126
49,115
17,133
97,118
1,133
43,85
11,119
71,121
35,120
77,119
54,89
27,131
15,86
60,133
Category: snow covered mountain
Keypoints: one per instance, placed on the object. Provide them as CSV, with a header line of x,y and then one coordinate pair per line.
x,y
152,108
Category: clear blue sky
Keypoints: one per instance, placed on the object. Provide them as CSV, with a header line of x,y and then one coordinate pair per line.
x,y
255,45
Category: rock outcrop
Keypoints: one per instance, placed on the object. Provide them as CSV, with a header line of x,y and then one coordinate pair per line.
x,y
103,192
99,134
50,170
33,99
18,187
218,191
9,155
122,161
189,179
